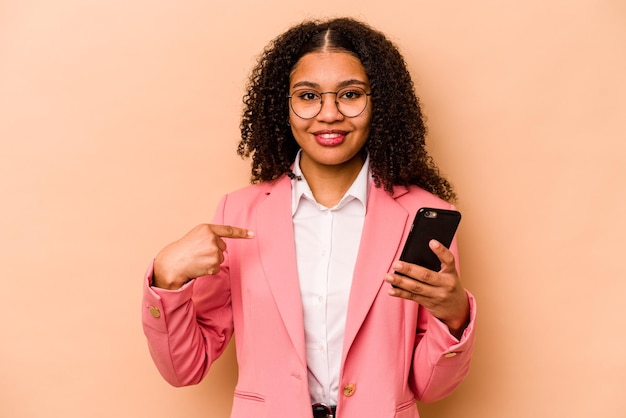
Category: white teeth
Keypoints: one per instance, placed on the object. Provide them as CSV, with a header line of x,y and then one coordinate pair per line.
x,y
330,136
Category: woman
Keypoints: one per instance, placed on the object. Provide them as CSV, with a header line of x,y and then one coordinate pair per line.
x,y
300,265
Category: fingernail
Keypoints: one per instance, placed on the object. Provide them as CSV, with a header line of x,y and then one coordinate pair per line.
x,y
434,243
250,234
397,265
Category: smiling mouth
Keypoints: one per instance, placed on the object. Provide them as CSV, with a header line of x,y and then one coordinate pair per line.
x,y
330,138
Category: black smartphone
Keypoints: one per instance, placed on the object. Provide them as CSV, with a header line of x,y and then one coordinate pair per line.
x,y
430,223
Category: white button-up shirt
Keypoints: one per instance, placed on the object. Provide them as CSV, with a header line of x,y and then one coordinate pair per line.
x,y
327,242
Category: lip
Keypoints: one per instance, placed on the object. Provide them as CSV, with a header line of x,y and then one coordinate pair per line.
x,y
330,137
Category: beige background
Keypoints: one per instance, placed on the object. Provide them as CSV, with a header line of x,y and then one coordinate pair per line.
x,y
118,128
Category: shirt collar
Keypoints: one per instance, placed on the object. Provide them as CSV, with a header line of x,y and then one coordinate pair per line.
x,y
358,190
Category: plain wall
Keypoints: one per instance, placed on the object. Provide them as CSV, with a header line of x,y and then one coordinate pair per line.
x,y
118,127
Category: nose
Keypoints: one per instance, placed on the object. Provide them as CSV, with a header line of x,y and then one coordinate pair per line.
x,y
330,110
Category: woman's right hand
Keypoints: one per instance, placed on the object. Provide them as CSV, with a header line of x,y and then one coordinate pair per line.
x,y
197,253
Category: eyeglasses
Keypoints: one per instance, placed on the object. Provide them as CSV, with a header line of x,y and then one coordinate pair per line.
x,y
307,103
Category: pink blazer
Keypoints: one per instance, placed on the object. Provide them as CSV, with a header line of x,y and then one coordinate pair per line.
x,y
394,351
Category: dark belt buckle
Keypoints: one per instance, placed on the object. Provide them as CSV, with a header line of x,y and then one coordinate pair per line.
x,y
321,410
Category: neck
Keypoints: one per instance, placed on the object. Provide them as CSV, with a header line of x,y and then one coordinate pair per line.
x,y
330,183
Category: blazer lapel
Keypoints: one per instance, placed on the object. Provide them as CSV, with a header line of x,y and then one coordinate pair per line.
x,y
278,258
385,222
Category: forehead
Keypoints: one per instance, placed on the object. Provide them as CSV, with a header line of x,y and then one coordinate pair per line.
x,y
327,69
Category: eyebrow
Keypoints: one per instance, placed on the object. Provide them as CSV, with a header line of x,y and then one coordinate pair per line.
x,y
342,84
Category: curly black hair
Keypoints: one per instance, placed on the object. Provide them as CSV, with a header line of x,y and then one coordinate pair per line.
x,y
396,143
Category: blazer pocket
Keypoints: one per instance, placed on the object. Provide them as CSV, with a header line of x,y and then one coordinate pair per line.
x,y
248,404
249,396
407,410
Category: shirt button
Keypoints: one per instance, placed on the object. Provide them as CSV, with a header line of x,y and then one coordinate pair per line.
x,y
450,355
349,389
155,311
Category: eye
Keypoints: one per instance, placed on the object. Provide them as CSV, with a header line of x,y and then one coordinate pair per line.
x,y
351,94
307,95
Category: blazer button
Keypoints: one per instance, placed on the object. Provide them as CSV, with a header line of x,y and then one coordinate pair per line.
x,y
349,389
155,311
450,355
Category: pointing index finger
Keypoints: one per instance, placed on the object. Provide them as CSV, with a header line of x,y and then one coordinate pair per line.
x,y
227,231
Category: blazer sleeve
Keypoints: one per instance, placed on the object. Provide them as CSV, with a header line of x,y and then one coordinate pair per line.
x,y
440,361
189,328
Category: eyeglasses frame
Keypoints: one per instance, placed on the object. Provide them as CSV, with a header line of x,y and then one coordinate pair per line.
x,y
336,102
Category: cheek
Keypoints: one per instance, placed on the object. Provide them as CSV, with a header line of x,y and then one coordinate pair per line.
x,y
297,125
298,130
294,121
365,126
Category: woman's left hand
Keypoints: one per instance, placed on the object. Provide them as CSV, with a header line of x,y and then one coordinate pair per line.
x,y
439,292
